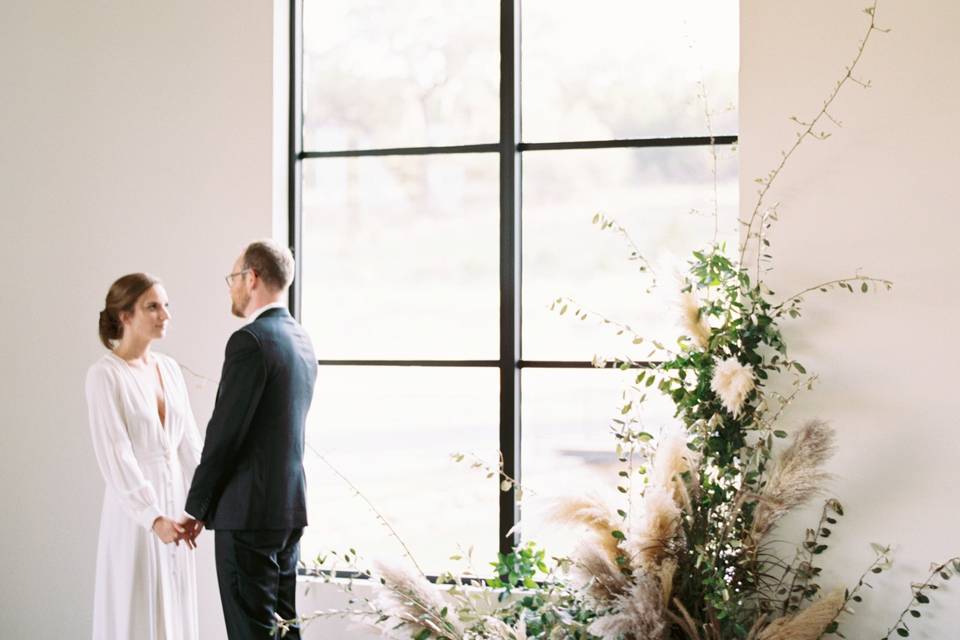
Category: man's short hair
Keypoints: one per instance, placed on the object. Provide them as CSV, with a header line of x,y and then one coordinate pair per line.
x,y
272,262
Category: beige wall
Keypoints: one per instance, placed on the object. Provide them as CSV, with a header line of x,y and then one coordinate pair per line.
x,y
879,195
135,136
140,136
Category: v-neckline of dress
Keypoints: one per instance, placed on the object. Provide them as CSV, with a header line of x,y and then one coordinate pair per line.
x,y
163,391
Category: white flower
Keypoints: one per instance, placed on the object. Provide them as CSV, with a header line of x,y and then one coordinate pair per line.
x,y
692,320
732,381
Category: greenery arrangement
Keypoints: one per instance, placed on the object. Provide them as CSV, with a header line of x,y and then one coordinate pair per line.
x,y
684,549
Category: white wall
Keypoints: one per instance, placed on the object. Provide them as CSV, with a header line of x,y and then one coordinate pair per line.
x,y
879,195
135,136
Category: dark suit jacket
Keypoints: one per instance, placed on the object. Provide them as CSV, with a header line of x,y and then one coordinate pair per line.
x,y
250,475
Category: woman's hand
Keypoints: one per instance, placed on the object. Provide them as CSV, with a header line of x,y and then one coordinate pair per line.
x,y
167,530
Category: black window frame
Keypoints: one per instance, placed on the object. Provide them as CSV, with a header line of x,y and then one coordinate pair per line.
x,y
510,148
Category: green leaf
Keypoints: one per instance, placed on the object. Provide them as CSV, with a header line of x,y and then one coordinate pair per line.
x,y
864,287
902,632
616,533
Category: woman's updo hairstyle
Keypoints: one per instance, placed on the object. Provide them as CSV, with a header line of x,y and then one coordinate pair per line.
x,y
122,296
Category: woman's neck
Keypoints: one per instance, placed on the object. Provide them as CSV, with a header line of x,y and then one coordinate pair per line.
x,y
134,350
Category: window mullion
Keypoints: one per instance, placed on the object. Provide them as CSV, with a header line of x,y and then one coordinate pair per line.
x,y
294,146
509,267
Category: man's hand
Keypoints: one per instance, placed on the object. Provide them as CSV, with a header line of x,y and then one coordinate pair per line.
x,y
167,530
191,529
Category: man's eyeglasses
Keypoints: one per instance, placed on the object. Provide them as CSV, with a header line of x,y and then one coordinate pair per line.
x,y
230,277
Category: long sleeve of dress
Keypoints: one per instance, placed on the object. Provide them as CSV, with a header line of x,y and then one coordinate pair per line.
x,y
114,451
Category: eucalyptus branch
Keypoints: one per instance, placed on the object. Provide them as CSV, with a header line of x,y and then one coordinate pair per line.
x,y
843,283
565,303
808,131
804,571
507,482
784,402
880,563
635,254
943,571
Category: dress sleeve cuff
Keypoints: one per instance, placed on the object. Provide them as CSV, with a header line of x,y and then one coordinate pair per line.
x,y
147,516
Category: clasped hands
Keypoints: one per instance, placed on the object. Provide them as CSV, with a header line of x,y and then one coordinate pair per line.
x,y
169,530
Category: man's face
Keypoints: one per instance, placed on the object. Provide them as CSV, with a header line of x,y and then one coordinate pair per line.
x,y
239,290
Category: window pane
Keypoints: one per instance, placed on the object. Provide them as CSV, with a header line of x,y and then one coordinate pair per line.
x,y
391,431
663,197
627,70
568,449
389,74
400,256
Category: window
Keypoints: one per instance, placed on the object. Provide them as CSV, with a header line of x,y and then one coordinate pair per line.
x,y
433,231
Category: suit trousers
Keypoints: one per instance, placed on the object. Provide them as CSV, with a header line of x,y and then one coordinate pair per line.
x,y
257,572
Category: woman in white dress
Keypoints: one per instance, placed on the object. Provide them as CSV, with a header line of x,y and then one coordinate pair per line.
x,y
147,446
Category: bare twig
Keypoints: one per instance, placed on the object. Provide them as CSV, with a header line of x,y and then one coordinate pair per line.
x,y
808,131
376,512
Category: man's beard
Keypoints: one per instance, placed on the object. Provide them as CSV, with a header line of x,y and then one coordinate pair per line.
x,y
237,307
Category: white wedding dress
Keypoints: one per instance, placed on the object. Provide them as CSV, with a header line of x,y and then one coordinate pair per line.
x,y
145,590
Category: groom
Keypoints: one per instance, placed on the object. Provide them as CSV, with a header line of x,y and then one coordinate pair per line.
x,y
249,486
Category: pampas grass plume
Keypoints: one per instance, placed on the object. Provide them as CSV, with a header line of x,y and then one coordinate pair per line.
x,y
809,624
732,382
796,475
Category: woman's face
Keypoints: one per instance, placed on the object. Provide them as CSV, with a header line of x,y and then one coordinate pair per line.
x,y
150,316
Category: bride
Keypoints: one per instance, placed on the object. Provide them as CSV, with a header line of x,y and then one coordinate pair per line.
x,y
147,446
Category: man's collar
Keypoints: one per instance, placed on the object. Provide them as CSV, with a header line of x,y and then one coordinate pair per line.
x,y
259,312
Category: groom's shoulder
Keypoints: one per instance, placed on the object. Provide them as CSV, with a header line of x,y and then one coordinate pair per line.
x,y
273,322
244,339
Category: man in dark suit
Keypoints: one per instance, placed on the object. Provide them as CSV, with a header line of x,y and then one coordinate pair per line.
x,y
249,486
